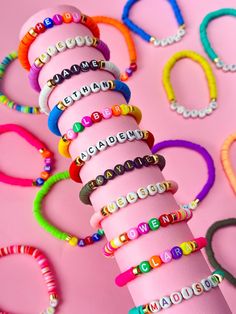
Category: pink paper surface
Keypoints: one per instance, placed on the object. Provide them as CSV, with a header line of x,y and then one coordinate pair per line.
x,y
85,277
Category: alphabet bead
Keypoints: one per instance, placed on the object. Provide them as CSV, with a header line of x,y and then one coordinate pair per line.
x,y
197,288
166,256
145,267
142,193
187,293
132,197
132,234
206,284
165,302
155,261
176,297
154,307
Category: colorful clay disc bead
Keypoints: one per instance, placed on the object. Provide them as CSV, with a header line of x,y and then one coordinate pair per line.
x,y
34,141
4,100
54,231
206,43
174,105
45,269
149,38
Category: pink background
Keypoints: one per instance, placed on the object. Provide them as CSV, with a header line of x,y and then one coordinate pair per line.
x,y
71,264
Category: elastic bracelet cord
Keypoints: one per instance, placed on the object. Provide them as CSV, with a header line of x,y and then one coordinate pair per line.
x,y
128,39
96,116
118,170
131,198
66,74
221,224
35,142
47,226
209,162
57,19
175,253
110,141
44,266
86,90
149,38
225,160
174,105
144,228
70,43
176,297
4,100
205,40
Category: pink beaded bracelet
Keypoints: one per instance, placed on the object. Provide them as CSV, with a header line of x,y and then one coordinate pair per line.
x,y
44,267
145,227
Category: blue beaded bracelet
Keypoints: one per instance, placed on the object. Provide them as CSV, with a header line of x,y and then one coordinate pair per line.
x,y
149,38
57,111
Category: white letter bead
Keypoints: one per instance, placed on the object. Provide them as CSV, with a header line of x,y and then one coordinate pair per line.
x,y
202,113
213,104
206,284
232,67
173,105
121,202
92,150
209,110
226,68
161,188
176,297
88,40
111,140
80,41
101,145
104,85
180,109
170,40
76,95
54,302
84,156
131,135
177,37
181,32
138,134
142,193
156,42
132,197
187,293
186,113
52,51
165,302
44,57
220,64
122,137
70,43
68,101
194,113
213,281
85,90
61,46
197,288
95,87
164,42
112,207
154,307
152,189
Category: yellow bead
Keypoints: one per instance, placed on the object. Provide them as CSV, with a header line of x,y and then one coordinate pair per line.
x,y
124,109
73,241
186,248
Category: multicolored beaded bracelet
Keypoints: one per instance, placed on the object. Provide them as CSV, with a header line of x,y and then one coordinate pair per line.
x,y
225,160
174,105
118,170
209,249
57,19
35,142
206,156
205,40
110,141
86,90
46,225
145,227
61,46
3,98
128,39
131,198
45,270
185,248
186,293
88,121
66,74
151,39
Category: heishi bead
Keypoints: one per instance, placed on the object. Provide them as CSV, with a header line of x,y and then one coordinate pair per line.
x,y
143,228
154,224
176,297
197,288
106,113
57,19
187,293
155,261
132,234
165,302
154,307
166,256
176,252
145,267
86,121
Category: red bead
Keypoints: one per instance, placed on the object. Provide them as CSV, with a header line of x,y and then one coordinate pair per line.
x,y
88,240
47,154
39,28
96,116
165,220
133,66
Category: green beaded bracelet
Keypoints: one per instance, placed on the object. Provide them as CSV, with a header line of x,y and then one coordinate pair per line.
x,y
46,225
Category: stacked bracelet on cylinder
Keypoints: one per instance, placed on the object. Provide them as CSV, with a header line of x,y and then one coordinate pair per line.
x,y
145,227
96,116
176,297
118,170
131,198
102,145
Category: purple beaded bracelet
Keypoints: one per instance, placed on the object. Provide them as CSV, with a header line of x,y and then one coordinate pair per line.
x,y
207,157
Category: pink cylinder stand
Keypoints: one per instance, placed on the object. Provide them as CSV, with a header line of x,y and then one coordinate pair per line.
x,y
168,278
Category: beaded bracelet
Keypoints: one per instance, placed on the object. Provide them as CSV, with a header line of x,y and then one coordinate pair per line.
x,y
45,270
46,225
206,156
225,160
143,228
39,28
205,40
3,98
209,249
176,297
185,248
88,121
147,37
57,111
61,46
118,170
174,105
35,142
128,39
131,198
110,141
66,74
